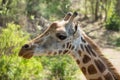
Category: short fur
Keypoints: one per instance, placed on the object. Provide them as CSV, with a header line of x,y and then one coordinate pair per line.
x,y
97,49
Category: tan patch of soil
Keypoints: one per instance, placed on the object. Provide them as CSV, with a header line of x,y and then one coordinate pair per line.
x,y
114,57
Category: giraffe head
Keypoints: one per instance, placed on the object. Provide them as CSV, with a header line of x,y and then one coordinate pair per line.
x,y
66,37
53,40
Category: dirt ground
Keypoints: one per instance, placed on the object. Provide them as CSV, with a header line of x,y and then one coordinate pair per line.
x,y
114,56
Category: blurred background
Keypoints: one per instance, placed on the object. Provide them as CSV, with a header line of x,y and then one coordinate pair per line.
x,y
22,20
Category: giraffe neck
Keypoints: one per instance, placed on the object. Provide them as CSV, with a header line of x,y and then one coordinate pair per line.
x,y
91,61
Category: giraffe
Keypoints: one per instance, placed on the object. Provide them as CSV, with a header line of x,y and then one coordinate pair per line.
x,y
67,37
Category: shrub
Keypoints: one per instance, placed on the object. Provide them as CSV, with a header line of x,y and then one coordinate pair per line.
x,y
113,23
113,19
49,9
117,42
13,67
60,67
12,38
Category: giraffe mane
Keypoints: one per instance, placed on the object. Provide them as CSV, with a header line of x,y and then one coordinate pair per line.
x,y
97,49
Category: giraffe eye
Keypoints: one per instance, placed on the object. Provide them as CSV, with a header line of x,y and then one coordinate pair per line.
x,y
61,36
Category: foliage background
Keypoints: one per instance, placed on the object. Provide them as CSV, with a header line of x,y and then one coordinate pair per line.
x,y
21,20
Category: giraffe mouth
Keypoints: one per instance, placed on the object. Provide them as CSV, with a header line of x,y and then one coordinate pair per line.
x,y
26,55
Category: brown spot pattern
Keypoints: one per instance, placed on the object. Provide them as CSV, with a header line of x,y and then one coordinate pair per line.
x,y
86,59
90,49
97,79
92,69
72,47
87,49
63,45
65,51
67,45
82,47
60,51
100,66
108,76
49,53
55,53
84,70
79,52
78,62
83,40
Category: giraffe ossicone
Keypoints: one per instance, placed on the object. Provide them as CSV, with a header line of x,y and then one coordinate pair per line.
x,y
66,37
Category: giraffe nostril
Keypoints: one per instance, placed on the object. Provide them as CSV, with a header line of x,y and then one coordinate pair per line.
x,y
26,46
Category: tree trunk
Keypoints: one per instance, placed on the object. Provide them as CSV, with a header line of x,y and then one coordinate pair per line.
x,y
96,10
92,9
118,7
85,9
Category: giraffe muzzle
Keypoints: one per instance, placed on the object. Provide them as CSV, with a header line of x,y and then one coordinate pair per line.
x,y
26,52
